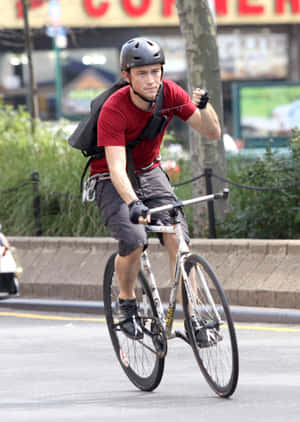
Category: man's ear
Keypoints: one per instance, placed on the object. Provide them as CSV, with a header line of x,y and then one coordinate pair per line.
x,y
126,75
162,72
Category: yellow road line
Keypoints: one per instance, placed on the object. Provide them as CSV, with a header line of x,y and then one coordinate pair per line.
x,y
94,319
49,317
259,328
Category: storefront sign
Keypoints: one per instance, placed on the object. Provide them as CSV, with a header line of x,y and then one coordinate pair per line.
x,y
120,13
253,55
82,90
266,110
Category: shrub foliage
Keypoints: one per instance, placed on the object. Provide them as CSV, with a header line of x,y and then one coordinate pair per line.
x,y
252,213
59,168
269,214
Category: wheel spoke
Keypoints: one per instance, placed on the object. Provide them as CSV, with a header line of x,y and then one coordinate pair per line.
x,y
214,344
140,360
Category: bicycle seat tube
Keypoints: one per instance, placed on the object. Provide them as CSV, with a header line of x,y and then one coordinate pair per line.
x,y
183,250
145,264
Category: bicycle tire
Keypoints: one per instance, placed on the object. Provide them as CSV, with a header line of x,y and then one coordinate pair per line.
x,y
143,367
216,350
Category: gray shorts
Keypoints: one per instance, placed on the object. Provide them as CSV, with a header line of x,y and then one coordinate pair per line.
x,y
154,190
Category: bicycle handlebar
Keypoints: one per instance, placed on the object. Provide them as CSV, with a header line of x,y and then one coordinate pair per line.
x,y
179,204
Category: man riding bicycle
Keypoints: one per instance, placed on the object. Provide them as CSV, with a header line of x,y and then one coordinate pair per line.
x,y
123,201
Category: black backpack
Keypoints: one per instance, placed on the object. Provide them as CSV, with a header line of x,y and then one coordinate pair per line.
x,y
84,136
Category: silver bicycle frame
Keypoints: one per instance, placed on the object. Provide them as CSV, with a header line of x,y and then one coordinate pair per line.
x,y
182,254
183,251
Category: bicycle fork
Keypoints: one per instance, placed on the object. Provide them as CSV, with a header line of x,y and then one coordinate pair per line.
x,y
191,295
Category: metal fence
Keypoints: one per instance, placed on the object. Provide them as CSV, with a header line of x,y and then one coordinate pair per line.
x,y
208,174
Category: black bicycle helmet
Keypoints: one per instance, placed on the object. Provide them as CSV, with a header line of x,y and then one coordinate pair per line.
x,y
140,52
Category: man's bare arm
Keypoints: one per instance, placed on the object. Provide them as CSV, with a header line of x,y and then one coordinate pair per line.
x,y
205,121
116,161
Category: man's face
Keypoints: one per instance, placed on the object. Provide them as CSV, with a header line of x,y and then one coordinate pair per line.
x,y
146,80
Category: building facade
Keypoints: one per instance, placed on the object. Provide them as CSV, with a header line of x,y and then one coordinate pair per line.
x,y
259,42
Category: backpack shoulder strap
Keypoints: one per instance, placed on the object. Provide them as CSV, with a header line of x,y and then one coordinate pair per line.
x,y
159,99
158,107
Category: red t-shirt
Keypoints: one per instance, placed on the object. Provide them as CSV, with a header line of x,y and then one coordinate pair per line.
x,y
120,121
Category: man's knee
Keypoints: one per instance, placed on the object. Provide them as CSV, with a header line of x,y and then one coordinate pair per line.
x,y
133,247
171,243
134,255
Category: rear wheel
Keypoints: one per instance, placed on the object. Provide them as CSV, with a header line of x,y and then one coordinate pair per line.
x,y
210,327
142,360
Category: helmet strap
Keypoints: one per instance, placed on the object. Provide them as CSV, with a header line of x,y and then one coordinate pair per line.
x,y
151,102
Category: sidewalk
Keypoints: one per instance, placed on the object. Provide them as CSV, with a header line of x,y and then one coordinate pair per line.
x,y
253,273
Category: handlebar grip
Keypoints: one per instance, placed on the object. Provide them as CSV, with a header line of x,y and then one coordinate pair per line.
x,y
222,195
225,193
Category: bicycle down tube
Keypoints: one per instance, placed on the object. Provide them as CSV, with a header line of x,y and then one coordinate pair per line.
x,y
183,251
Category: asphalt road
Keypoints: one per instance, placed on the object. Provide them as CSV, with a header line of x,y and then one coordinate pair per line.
x,y
57,367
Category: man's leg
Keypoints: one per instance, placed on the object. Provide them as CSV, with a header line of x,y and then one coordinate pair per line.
x,y
171,243
127,268
132,240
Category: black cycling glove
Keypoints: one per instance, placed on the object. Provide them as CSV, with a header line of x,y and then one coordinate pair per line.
x,y
137,209
203,101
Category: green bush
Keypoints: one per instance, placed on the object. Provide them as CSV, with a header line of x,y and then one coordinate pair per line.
x,y
252,214
271,214
59,167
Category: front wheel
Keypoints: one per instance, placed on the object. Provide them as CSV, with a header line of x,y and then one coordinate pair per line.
x,y
209,326
142,360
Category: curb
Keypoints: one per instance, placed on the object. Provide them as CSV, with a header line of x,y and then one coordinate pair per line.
x,y
239,313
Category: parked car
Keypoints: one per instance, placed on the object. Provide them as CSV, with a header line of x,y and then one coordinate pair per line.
x,y
230,144
9,272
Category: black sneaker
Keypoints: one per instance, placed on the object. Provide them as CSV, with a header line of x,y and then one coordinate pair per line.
x,y
129,320
201,334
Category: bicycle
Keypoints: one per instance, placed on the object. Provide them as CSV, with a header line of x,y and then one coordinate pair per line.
x,y
205,308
